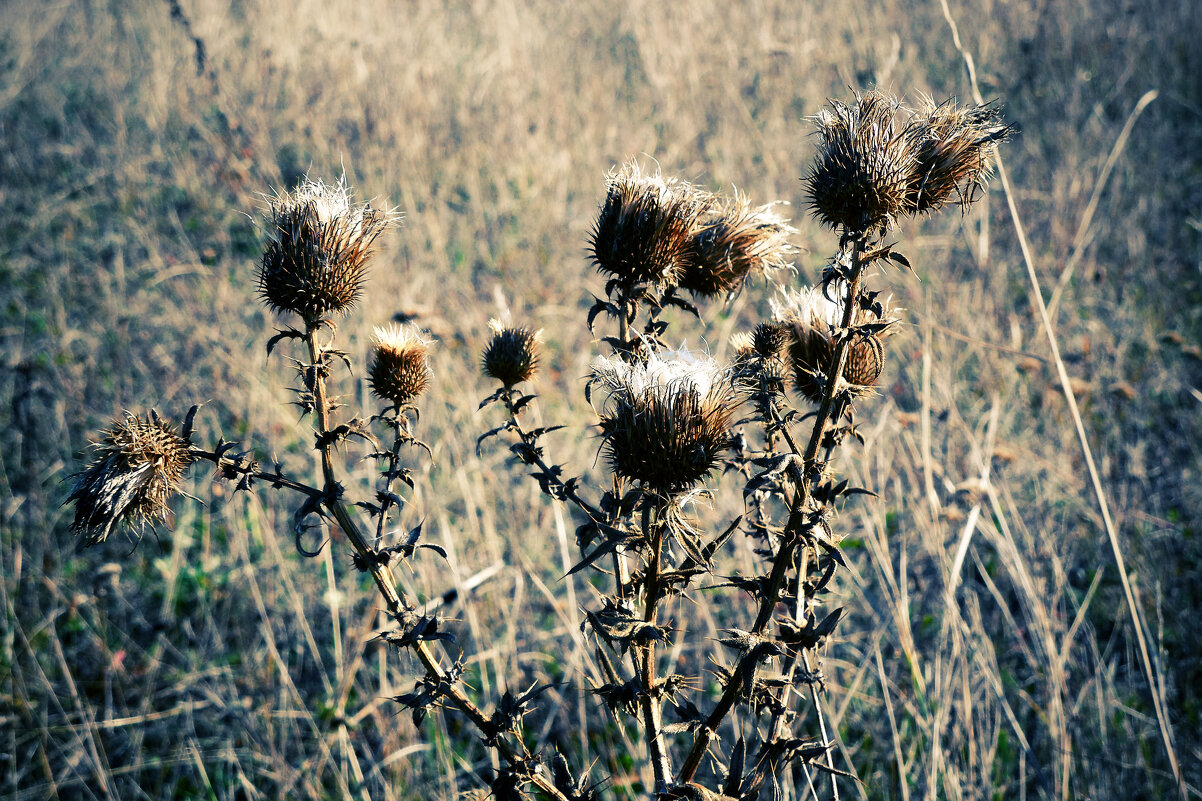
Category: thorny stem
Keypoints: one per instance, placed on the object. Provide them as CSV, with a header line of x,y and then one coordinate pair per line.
x,y
275,479
784,557
779,718
400,426
628,309
533,457
387,585
652,711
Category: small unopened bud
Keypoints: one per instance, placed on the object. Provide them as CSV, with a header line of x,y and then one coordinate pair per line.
x,y
770,339
139,464
400,364
512,353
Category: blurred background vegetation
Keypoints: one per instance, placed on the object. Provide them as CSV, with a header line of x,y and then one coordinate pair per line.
x,y
136,141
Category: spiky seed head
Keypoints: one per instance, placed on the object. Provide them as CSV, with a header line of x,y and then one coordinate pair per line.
x,y
315,260
139,464
733,241
811,319
400,364
666,422
860,179
955,151
512,353
644,228
770,339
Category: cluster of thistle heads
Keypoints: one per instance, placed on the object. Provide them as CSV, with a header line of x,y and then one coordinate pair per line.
x,y
667,414
878,162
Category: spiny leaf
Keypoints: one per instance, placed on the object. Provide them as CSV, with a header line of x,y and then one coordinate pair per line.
x,y
284,333
521,402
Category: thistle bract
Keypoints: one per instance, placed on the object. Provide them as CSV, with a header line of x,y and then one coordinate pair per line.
x,y
861,177
955,151
733,241
643,232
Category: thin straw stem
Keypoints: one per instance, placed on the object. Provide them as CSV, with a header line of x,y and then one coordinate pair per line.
x,y
1162,719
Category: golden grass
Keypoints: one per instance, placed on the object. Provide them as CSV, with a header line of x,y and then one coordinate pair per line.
x,y
222,666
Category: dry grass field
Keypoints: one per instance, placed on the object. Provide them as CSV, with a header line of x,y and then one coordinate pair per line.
x,y
137,140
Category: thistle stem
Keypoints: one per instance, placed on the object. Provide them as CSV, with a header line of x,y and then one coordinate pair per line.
x,y
652,711
275,479
628,309
793,528
387,585
533,457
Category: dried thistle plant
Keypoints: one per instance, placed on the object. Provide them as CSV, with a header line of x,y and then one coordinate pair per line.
x,y
139,464
878,162
672,423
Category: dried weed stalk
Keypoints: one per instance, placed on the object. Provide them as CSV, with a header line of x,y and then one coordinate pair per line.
x,y
669,422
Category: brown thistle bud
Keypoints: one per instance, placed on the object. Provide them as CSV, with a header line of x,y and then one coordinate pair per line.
x,y
955,150
512,353
400,364
666,422
733,241
314,263
644,230
812,320
139,464
860,180
770,339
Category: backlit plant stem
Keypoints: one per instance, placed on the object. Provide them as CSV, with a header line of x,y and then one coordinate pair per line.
x,y
628,309
384,580
652,711
794,527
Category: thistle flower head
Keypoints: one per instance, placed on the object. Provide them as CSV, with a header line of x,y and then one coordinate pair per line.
x,y
666,421
139,464
860,180
812,320
955,150
512,353
770,339
314,263
733,241
400,364
643,232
